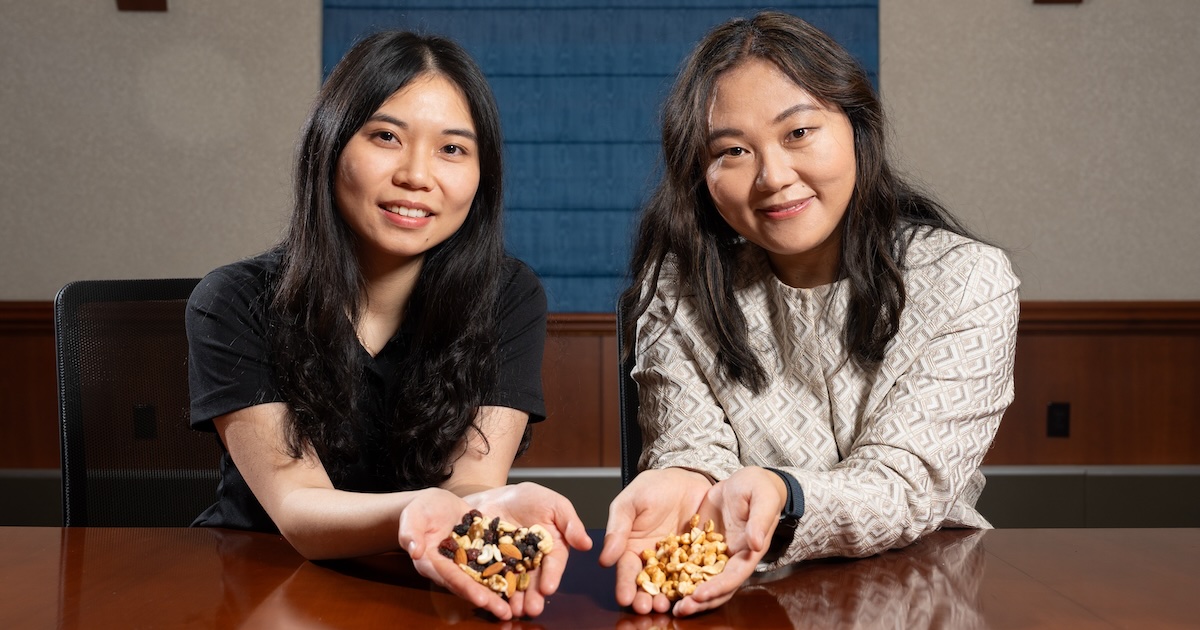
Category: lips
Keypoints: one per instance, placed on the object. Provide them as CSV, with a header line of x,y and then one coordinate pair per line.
x,y
787,209
413,213
406,208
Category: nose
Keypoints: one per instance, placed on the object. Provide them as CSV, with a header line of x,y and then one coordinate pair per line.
x,y
413,170
775,170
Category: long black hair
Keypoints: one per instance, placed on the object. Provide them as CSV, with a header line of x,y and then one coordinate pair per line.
x,y
681,222
319,293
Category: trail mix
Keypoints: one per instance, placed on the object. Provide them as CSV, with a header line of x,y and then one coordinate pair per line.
x,y
680,562
497,554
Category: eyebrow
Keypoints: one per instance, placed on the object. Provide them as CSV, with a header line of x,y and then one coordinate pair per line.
x,y
465,133
729,132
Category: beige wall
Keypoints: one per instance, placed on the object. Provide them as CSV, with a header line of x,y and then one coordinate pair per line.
x,y
141,144
146,144
1070,134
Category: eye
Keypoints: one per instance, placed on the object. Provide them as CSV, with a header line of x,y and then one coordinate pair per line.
x,y
385,136
734,151
797,134
454,149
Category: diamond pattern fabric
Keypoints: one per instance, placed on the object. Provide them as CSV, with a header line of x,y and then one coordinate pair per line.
x,y
884,455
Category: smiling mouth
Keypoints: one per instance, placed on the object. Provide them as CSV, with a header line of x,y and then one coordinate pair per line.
x,y
787,208
413,213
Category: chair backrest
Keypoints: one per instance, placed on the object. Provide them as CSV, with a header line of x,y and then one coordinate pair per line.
x,y
631,431
129,456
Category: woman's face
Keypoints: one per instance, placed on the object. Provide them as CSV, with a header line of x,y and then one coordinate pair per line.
x,y
406,179
781,169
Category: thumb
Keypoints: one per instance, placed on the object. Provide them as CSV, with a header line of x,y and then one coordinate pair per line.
x,y
616,537
760,524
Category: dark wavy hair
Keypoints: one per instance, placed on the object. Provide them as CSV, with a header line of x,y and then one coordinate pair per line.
x,y
680,220
319,293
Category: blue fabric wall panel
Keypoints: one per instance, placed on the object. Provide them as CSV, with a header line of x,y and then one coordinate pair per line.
x,y
572,177
582,294
586,40
588,243
525,5
579,84
579,109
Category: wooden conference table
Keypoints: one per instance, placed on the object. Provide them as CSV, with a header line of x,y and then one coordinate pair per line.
x,y
196,578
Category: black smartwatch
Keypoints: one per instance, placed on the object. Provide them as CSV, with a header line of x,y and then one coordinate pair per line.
x,y
789,517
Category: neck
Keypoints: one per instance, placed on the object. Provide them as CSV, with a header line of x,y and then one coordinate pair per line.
x,y
813,269
387,291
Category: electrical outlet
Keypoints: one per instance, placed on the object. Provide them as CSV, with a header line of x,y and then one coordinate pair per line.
x,y
1058,419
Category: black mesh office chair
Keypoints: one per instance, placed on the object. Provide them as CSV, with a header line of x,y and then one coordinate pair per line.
x,y
631,431
129,458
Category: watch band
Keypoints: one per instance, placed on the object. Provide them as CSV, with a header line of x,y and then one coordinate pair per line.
x,y
789,517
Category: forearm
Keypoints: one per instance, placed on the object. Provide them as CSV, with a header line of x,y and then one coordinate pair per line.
x,y
882,498
323,523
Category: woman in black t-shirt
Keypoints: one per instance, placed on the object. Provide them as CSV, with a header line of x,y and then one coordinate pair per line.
x,y
372,378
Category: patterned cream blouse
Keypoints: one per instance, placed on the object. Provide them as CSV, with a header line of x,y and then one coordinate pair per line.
x,y
883,456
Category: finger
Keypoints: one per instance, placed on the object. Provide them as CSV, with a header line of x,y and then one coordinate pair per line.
x,y
643,603
616,542
628,568
567,521
689,606
411,534
737,570
414,547
526,604
662,604
576,535
535,603
550,571
447,575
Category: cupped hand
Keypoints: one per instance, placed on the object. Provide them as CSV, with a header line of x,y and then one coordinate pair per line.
x,y
424,524
527,504
746,508
656,504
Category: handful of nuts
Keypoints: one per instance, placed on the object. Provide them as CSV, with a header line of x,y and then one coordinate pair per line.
x,y
497,554
680,562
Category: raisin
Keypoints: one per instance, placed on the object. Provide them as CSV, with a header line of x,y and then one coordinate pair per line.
x,y
447,547
461,529
490,537
472,555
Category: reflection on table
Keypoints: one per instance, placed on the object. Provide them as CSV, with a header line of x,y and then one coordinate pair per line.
x,y
204,578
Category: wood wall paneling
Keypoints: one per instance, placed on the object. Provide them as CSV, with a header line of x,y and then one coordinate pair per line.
x,y
1130,370
580,429
28,390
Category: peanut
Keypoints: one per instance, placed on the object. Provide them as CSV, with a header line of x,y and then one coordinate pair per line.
x,y
680,562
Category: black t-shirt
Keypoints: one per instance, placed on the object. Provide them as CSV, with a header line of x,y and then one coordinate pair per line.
x,y
229,368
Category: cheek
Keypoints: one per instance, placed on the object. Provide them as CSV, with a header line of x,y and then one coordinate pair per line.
x,y
462,187
720,181
346,182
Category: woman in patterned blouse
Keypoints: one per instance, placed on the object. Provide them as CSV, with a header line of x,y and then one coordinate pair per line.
x,y
823,354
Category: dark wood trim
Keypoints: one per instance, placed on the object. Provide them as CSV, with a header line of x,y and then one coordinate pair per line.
x,y
588,324
19,318
1037,317
141,5
1156,317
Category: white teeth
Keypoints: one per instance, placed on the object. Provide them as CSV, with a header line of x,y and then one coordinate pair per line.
x,y
408,212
